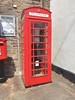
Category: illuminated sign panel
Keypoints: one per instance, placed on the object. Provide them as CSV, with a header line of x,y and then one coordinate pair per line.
x,y
38,14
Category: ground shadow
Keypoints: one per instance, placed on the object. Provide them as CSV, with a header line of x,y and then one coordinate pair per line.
x,y
65,73
7,69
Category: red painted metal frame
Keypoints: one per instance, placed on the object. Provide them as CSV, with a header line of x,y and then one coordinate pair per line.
x,y
25,45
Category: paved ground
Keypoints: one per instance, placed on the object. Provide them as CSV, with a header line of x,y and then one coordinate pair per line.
x,y
59,89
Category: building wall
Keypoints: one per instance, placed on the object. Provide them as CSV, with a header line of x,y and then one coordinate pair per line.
x,y
63,18
12,64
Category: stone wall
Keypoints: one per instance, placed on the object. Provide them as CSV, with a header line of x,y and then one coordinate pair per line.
x,y
6,7
46,4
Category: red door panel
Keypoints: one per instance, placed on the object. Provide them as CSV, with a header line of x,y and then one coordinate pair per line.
x,y
40,52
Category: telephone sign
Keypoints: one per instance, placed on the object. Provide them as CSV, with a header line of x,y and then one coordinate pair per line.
x,y
38,14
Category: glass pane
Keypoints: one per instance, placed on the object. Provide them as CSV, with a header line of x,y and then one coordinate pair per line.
x,y
39,39
38,32
41,59
39,52
32,24
45,71
32,66
39,45
40,25
32,59
44,65
32,46
38,73
40,65
38,60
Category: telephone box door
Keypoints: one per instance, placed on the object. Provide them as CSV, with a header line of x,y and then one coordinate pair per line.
x,y
40,51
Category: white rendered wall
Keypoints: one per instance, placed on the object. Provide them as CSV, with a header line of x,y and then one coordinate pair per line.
x,y
63,27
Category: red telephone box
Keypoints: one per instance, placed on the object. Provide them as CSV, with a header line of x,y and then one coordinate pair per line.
x,y
36,46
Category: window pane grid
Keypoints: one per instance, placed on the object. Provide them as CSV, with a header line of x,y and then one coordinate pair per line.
x,y
39,50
